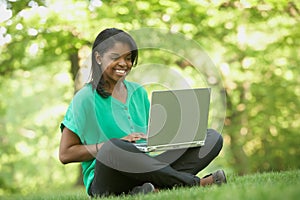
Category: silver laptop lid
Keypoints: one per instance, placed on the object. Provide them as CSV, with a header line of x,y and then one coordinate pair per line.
x,y
178,116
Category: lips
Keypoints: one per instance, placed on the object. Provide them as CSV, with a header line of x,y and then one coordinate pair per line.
x,y
121,72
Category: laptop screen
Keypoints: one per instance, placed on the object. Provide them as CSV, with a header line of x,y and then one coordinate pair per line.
x,y
178,116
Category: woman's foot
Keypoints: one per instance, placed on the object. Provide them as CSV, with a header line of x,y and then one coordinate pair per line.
x,y
143,189
218,177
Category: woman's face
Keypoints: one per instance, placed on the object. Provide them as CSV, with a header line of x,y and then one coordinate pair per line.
x,y
116,62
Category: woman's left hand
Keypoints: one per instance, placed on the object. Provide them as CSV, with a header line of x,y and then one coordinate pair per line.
x,y
133,137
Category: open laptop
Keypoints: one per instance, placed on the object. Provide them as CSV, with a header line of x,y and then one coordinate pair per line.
x,y
177,119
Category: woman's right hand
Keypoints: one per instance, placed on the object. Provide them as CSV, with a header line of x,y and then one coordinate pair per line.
x,y
133,137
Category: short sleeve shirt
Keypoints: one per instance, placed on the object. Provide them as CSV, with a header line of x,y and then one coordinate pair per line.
x,y
95,119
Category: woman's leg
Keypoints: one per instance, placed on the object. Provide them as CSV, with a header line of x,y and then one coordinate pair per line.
x,y
193,160
120,166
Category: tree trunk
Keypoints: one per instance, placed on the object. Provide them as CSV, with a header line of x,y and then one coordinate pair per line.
x,y
74,70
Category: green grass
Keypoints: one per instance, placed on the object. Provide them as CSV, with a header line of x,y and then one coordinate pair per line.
x,y
260,186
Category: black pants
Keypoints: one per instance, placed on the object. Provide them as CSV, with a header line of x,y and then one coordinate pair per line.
x,y
120,166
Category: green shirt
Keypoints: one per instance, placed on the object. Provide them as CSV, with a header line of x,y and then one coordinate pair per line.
x,y
95,119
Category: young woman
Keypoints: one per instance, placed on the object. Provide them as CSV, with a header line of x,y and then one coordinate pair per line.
x,y
109,114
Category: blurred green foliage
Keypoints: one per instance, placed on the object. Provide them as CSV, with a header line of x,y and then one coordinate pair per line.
x,y
254,44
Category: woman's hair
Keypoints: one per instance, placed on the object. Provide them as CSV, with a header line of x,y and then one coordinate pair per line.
x,y
105,40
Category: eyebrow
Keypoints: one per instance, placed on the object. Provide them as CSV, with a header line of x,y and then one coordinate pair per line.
x,y
116,54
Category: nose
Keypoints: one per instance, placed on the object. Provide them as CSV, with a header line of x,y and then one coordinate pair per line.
x,y
122,62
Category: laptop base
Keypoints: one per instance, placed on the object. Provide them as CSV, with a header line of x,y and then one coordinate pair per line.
x,y
144,148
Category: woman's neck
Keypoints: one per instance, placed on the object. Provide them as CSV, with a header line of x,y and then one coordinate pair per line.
x,y
113,86
120,92
117,89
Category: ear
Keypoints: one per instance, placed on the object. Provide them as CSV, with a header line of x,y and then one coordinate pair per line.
x,y
97,57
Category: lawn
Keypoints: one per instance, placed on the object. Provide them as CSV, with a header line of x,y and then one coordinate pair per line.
x,y
260,186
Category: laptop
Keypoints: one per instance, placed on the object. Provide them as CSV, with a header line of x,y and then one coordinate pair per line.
x,y
177,119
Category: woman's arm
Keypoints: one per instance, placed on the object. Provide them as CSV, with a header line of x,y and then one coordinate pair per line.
x,y
71,149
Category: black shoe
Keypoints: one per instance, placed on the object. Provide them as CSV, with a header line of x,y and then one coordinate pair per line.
x,y
144,189
219,177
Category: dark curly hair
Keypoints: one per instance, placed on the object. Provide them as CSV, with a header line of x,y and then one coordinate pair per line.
x,y
103,42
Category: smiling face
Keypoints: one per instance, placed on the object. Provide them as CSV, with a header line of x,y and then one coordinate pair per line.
x,y
115,62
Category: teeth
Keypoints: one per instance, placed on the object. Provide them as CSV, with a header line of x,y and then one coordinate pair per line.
x,y
120,71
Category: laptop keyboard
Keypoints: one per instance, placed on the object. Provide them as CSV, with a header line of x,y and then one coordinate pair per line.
x,y
140,144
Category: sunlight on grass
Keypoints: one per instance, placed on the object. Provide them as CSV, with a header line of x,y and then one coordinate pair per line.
x,y
260,186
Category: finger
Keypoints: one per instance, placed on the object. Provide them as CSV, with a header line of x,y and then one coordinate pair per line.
x,y
143,136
